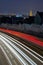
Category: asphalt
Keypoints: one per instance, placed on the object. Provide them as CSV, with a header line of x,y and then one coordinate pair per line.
x,y
3,60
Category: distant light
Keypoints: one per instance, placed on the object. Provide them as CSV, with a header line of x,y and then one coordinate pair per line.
x,y
18,15
30,14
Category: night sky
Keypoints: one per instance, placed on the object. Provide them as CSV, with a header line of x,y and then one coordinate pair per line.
x,y
20,6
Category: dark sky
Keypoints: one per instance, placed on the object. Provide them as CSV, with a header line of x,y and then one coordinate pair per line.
x,y
20,6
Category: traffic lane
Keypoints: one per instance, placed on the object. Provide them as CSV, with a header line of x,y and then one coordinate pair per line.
x,y
14,40
31,45
22,56
30,38
3,60
34,47
11,58
30,56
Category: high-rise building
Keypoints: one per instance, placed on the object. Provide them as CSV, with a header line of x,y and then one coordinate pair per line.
x,y
30,14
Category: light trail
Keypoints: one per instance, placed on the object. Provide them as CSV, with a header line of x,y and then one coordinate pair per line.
x,y
17,48
12,39
21,45
27,37
6,42
6,55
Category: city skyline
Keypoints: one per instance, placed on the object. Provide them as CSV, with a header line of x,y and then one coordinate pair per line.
x,y
20,6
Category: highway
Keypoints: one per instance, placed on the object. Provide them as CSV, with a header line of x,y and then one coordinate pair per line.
x,y
16,52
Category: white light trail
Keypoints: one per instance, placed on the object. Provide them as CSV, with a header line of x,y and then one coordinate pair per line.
x,y
7,42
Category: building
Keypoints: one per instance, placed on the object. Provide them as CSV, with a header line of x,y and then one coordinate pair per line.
x,y
29,20
39,18
31,14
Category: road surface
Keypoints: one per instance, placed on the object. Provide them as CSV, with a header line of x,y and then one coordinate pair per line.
x,y
17,52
